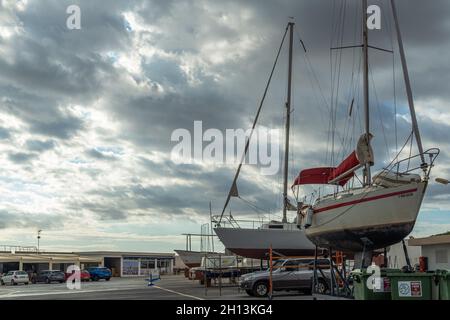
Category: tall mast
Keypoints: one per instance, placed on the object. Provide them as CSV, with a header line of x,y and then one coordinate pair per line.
x,y
408,84
367,175
288,121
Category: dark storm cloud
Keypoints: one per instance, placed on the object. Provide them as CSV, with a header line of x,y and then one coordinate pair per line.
x,y
40,146
103,211
62,128
93,153
62,74
174,199
214,182
438,190
102,26
51,69
21,157
175,111
13,219
164,72
41,113
4,133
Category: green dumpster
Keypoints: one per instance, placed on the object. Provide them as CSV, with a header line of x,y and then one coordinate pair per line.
x,y
362,292
411,286
443,276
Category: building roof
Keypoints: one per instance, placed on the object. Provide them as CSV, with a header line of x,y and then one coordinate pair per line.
x,y
429,241
62,257
128,254
46,258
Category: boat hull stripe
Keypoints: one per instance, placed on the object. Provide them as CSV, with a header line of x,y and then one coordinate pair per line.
x,y
383,196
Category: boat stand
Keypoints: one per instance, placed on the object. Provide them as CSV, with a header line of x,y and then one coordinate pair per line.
x,y
338,281
405,250
364,259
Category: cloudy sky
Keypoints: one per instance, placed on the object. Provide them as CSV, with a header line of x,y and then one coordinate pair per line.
x,y
86,116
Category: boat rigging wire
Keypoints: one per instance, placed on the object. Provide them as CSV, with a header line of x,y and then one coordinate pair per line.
x,y
401,150
410,151
313,73
390,31
377,104
254,206
247,145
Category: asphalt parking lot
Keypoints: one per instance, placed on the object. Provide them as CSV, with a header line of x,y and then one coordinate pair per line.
x,y
168,288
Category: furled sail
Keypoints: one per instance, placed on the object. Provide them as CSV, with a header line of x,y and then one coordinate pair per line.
x,y
364,151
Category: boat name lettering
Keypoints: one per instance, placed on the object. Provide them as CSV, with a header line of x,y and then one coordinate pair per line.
x,y
406,195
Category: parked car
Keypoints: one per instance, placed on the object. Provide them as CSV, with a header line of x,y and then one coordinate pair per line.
x,y
84,275
288,274
98,273
14,278
49,276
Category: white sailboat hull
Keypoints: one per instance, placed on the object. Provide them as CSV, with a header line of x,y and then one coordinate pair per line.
x,y
255,243
192,259
372,219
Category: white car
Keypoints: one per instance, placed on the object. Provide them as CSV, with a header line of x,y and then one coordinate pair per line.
x,y
15,277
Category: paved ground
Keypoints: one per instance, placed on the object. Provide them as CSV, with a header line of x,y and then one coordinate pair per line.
x,y
169,288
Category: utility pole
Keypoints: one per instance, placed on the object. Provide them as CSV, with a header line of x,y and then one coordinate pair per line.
x,y
38,239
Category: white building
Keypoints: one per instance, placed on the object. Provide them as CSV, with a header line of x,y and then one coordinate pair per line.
x,y
122,264
436,249
396,255
126,264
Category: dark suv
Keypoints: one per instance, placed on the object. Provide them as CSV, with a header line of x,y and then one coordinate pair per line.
x,y
288,274
48,276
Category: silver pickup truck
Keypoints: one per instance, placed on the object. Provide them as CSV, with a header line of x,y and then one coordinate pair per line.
x,y
288,274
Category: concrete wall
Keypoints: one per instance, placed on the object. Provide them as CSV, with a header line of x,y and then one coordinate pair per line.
x,y
438,256
396,255
179,264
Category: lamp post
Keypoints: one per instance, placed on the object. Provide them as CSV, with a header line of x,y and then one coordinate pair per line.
x,y
38,239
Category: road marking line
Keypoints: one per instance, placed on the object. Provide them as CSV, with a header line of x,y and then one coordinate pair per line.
x,y
176,292
59,292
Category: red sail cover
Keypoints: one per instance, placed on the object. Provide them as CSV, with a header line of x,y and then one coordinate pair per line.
x,y
314,176
348,164
325,175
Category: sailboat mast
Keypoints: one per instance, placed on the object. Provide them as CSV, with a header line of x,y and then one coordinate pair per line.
x,y
367,174
408,83
288,121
